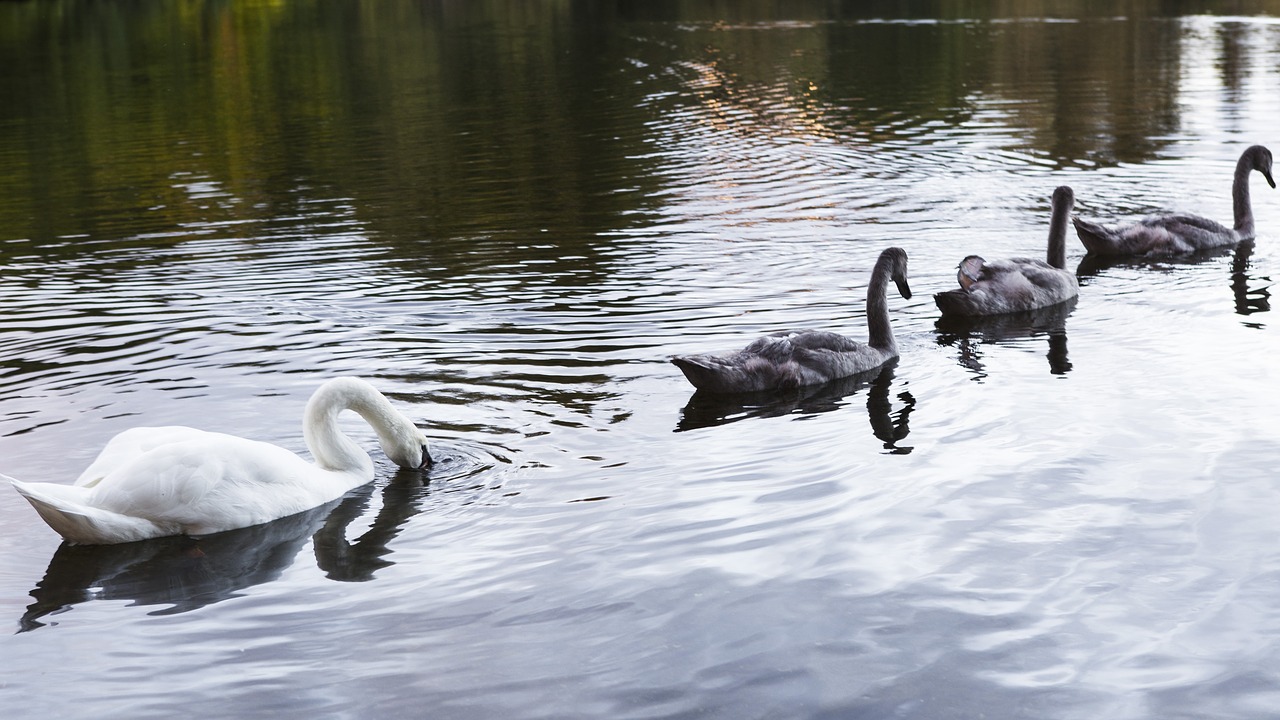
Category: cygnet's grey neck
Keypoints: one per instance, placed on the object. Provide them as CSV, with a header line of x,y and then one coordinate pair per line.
x,y
1240,203
880,333
1063,201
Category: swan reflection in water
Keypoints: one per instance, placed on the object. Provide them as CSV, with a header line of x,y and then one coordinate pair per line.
x,y
890,427
1248,301
185,573
1251,294
970,334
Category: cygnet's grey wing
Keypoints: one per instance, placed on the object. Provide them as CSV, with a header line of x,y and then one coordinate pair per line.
x,y
775,348
826,356
781,361
1045,276
995,271
1196,231
808,357
1186,221
823,340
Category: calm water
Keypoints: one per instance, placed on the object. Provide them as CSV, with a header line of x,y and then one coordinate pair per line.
x,y
508,215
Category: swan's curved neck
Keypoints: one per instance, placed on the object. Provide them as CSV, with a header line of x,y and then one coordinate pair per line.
x,y
881,334
1240,204
331,448
1057,255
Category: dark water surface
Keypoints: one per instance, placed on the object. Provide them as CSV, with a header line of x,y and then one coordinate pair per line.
x,y
508,215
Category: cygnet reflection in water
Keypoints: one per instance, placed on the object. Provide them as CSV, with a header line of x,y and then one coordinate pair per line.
x,y
706,409
1251,293
969,334
1097,265
1248,300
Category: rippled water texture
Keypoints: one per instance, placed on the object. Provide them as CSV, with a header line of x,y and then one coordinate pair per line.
x,y
508,215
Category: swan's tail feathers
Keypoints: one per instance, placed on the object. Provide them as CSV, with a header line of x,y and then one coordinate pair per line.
x,y
703,371
726,374
1098,240
63,507
955,302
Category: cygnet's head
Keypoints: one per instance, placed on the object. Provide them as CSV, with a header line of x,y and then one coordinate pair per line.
x,y
1262,162
969,271
1063,196
897,259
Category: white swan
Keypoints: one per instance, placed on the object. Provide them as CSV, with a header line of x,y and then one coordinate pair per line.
x,y
1179,234
158,481
1017,284
796,358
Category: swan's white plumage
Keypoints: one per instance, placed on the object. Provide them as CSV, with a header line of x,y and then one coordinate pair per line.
x,y
158,481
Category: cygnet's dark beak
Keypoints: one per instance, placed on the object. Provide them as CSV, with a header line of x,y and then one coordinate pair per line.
x,y
903,288
1267,174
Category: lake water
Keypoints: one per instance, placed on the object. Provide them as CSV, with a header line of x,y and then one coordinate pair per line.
x,y
508,216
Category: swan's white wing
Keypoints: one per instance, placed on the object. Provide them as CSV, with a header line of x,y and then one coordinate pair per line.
x,y
130,445
210,482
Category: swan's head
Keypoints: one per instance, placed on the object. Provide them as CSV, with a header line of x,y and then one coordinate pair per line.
x,y
400,439
407,447
896,261
1262,162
